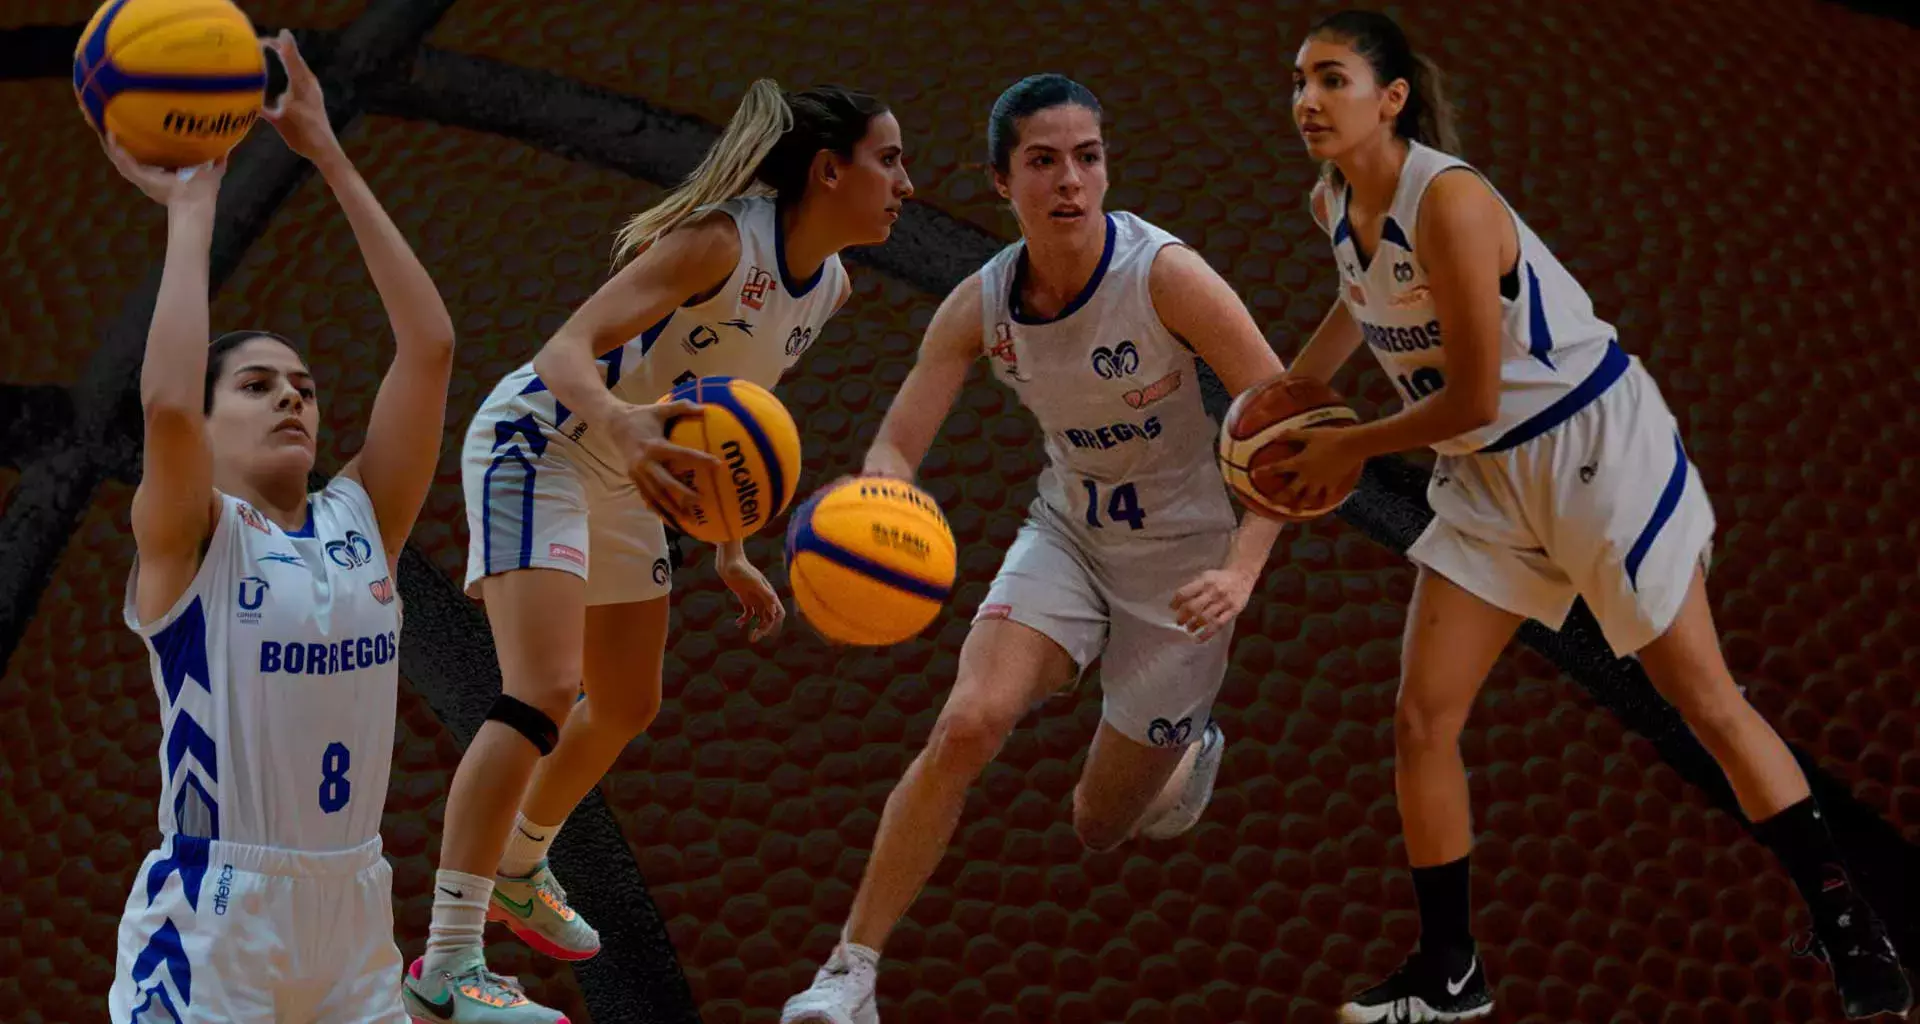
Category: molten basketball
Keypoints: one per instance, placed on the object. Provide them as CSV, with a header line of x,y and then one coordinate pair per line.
x,y
750,431
1248,449
871,561
178,82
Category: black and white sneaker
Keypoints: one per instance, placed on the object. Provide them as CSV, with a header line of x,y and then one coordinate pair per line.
x,y
1866,970
1427,987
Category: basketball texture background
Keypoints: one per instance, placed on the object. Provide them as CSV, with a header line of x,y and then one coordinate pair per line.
x,y
1726,209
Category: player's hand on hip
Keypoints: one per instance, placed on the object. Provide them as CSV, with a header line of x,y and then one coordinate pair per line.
x,y
1211,602
1317,469
762,611
640,434
300,116
189,188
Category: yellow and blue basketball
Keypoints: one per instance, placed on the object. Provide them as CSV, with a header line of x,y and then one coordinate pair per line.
x,y
744,426
871,561
178,82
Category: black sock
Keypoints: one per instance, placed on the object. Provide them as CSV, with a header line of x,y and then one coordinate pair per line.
x,y
1799,837
1446,925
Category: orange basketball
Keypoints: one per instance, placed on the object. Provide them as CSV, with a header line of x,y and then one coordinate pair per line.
x,y
1249,449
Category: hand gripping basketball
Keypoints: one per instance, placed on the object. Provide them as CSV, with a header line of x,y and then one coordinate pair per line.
x,y
640,434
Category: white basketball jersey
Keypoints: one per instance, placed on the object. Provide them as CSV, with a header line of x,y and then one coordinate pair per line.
x,y
1550,339
1130,449
278,673
754,328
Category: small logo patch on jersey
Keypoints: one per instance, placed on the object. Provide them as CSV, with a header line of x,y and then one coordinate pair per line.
x,y
700,337
1003,350
991,612
1143,397
1163,733
382,589
1414,296
283,558
799,341
753,291
1356,294
352,552
1403,271
661,571
250,516
223,891
567,554
1122,360
742,326
686,377
253,594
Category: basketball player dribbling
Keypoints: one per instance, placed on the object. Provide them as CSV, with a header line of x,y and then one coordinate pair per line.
x,y
272,621
1561,473
732,275
1130,553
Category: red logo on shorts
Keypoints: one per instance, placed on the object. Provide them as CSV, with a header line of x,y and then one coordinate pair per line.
x,y
565,553
989,612
753,294
382,589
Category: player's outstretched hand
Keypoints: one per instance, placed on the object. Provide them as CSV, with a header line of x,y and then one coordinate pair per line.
x,y
640,434
762,611
1211,602
188,186
1318,467
300,116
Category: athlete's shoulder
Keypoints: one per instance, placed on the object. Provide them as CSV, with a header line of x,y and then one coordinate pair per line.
x,y
1320,204
1132,227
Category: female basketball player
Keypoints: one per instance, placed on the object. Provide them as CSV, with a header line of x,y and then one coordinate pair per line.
x,y
273,621
1560,473
1130,552
572,564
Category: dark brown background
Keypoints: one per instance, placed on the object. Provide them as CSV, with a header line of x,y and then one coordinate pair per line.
x,y
1729,184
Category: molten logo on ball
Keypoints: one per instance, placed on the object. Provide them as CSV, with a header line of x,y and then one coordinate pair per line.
x,y
746,490
180,122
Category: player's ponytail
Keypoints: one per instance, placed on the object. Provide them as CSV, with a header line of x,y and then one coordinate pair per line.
x,y
1427,117
767,149
726,172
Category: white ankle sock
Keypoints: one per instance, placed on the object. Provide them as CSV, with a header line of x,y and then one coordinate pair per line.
x,y
459,916
527,846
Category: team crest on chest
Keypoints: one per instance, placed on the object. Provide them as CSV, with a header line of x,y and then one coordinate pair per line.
x,y
1140,398
251,516
1122,360
753,291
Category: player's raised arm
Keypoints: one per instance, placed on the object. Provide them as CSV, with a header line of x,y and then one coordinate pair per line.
x,y
396,463
173,505
951,345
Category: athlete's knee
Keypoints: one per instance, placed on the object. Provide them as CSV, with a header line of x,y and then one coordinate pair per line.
x,y
629,715
967,737
1422,724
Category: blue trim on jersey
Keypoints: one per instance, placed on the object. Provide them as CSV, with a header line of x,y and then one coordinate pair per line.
x,y
614,358
1612,365
1086,293
715,390
306,529
1390,232
184,737
504,431
191,782
1662,511
166,948
652,334
186,856
1539,336
799,289
805,540
1343,230
182,647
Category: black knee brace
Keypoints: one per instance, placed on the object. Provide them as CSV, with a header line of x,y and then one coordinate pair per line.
x,y
527,720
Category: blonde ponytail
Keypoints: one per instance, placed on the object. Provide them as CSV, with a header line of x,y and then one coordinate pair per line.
x,y
726,172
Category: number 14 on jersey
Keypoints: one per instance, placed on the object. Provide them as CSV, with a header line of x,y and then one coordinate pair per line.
x,y
1123,506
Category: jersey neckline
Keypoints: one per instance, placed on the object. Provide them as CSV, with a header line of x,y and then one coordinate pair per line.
x,y
1086,292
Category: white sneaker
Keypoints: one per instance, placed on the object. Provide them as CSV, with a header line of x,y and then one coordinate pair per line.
x,y
1185,812
842,991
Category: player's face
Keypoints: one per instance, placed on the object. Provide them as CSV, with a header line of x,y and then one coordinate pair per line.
x,y
264,413
1337,102
874,185
1057,177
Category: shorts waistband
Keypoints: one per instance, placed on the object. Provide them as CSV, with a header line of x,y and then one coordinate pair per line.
x,y
272,860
